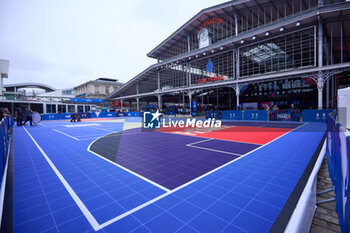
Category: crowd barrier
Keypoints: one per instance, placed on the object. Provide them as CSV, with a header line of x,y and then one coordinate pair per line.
x,y
272,115
134,114
284,115
338,158
315,115
5,126
214,114
232,115
255,115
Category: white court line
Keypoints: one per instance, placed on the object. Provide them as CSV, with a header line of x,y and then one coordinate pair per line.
x,y
75,197
124,168
108,135
193,143
65,134
209,149
108,130
184,185
219,151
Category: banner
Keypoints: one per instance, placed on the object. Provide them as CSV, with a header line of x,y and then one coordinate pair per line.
x,y
83,100
338,158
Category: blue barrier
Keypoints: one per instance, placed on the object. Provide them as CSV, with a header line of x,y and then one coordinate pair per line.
x,y
106,114
253,115
338,158
213,114
5,126
232,115
284,115
51,116
133,114
316,115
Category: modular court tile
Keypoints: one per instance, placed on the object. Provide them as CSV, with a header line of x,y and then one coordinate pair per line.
x,y
253,189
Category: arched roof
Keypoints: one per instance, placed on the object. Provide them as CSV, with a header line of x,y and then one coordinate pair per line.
x,y
30,85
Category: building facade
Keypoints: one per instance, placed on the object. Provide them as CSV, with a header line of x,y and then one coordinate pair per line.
x,y
97,89
252,52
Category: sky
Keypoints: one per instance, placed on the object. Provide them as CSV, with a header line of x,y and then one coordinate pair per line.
x,y
67,42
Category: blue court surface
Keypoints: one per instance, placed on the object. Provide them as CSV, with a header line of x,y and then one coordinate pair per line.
x,y
111,176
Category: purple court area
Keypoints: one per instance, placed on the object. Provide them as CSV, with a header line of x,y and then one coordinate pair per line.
x,y
167,160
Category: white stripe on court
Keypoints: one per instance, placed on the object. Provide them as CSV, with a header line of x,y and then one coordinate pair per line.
x,y
65,134
108,130
209,149
124,168
75,197
218,151
193,143
105,136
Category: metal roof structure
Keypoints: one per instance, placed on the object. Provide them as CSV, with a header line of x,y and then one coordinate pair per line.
x,y
246,32
45,87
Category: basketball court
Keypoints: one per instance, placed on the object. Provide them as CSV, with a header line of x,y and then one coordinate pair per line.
x,y
113,176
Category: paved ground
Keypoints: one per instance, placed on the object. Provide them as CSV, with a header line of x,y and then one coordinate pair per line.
x,y
326,219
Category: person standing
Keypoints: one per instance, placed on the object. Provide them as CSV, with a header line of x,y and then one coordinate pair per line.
x,y
19,116
28,116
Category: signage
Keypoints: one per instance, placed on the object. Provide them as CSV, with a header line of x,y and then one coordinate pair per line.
x,y
211,21
210,79
83,100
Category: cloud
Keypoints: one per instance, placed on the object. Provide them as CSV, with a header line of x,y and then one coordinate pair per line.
x,y
64,43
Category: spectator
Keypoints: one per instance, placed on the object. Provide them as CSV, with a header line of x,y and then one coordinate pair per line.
x,y
19,116
275,108
74,117
28,113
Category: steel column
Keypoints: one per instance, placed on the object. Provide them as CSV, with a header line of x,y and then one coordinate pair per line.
x,y
217,98
320,79
236,24
158,76
190,100
160,102
138,103
44,108
237,96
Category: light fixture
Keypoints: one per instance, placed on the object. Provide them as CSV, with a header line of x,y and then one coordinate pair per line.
x,y
189,58
281,29
242,41
197,55
213,51
298,24
221,48
204,54
254,37
267,33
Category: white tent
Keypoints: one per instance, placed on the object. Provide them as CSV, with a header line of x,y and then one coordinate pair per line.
x,y
344,107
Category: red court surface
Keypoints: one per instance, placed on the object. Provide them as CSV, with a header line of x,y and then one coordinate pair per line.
x,y
246,134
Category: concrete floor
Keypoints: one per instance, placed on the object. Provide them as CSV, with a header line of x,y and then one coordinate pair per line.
x,y
326,219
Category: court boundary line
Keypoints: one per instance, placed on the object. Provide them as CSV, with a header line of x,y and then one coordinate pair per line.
x,y
119,217
65,134
106,136
124,168
209,149
91,219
